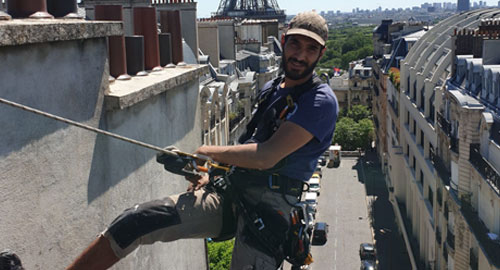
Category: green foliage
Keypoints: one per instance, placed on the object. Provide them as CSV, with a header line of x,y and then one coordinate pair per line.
x,y
346,44
354,129
358,112
219,254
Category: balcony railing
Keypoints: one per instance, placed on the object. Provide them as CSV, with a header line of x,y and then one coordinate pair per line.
x,y
441,169
489,173
454,142
473,262
409,231
438,236
444,124
450,240
394,106
375,89
491,248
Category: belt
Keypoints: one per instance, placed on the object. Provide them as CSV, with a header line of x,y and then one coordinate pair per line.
x,y
285,184
275,182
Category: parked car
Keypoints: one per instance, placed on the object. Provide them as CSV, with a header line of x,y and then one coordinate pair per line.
x,y
322,161
367,251
368,265
320,233
314,185
311,200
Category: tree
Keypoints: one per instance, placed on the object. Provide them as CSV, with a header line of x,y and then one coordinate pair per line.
x,y
358,112
345,134
354,128
219,254
366,133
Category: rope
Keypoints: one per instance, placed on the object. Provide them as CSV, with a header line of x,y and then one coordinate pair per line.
x,y
93,129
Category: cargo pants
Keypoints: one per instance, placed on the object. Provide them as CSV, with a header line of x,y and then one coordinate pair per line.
x,y
200,214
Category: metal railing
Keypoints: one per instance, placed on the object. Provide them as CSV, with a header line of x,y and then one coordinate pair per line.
x,y
450,240
473,262
454,143
155,2
444,124
438,236
441,169
491,248
489,173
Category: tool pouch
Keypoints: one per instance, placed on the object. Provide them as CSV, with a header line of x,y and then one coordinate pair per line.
x,y
298,243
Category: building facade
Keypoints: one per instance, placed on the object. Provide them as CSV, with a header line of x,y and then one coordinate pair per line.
x,y
441,159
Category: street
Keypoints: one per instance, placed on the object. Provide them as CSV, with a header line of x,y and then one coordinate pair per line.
x,y
342,205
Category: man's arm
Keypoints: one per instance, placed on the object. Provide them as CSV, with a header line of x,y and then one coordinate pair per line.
x,y
288,138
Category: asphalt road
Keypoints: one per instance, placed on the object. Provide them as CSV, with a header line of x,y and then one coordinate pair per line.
x,y
343,206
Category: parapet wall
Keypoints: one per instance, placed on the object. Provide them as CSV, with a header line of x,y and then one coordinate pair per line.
x,y
61,185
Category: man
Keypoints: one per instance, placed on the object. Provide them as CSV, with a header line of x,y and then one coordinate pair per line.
x,y
279,153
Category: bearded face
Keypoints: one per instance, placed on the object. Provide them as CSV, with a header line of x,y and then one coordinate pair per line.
x,y
300,57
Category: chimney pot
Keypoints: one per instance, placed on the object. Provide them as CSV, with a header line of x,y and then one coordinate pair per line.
x,y
36,9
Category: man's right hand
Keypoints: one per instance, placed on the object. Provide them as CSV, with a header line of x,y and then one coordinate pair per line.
x,y
197,182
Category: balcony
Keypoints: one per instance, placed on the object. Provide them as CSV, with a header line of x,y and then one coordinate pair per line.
x,y
235,119
375,89
409,231
450,240
394,106
489,173
473,262
444,124
454,142
441,169
438,236
490,247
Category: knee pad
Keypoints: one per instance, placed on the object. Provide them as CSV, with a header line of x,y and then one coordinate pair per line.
x,y
143,219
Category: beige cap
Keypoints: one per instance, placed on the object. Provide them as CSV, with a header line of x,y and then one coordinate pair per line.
x,y
309,24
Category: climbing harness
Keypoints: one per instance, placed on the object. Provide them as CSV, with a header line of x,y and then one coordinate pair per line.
x,y
295,245
269,115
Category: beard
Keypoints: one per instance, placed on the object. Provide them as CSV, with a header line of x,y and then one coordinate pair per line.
x,y
296,75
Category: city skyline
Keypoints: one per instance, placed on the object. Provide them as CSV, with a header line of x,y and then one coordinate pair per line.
x,y
207,7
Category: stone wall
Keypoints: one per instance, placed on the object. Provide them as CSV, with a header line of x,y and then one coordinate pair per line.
x,y
61,185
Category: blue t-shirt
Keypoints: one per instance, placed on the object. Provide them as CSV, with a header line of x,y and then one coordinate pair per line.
x,y
316,111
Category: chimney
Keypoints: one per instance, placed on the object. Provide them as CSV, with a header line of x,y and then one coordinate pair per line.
x,y
135,55
171,23
165,49
63,8
145,25
35,9
464,41
116,44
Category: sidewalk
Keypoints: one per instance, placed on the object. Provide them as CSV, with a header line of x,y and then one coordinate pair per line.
x,y
391,251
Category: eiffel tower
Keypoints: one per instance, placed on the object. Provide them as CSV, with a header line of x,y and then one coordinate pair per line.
x,y
251,9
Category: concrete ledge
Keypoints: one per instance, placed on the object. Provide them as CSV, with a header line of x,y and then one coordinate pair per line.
x,y
123,94
29,31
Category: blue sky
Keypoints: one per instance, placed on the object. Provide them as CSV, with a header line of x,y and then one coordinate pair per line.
x,y
206,7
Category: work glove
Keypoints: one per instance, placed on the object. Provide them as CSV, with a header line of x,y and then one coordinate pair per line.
x,y
177,164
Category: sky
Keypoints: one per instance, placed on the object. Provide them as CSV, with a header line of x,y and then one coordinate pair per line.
x,y
206,7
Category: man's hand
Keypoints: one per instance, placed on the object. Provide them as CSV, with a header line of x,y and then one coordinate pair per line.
x,y
197,182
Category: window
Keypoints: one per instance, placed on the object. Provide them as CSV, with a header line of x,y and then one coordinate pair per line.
x,y
421,179
407,117
422,99
408,85
414,93
422,138
430,196
414,127
431,107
